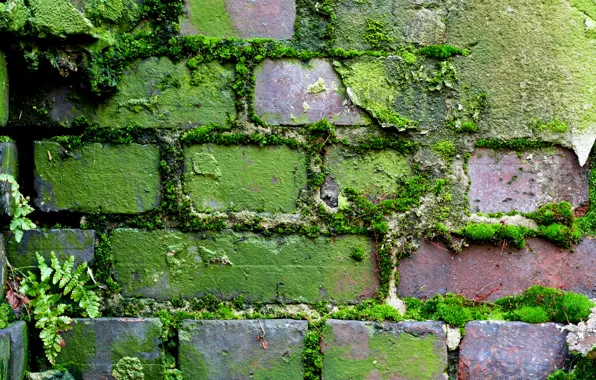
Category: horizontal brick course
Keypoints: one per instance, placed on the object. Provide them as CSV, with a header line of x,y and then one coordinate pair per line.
x,y
114,178
486,271
166,264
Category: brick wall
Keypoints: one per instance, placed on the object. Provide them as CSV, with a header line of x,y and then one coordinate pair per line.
x,y
306,189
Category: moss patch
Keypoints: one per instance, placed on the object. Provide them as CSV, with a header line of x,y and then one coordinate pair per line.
x,y
3,89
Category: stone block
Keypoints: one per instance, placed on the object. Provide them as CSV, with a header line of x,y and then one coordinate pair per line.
x,y
240,18
503,181
244,177
291,92
374,173
19,349
120,179
168,263
95,346
9,164
368,350
57,18
3,90
157,93
511,350
488,272
222,350
64,243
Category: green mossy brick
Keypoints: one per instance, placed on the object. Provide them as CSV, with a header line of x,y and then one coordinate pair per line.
x,y
221,350
57,18
168,263
63,242
221,177
13,16
19,349
3,89
157,93
364,350
9,161
114,178
94,346
375,173
4,356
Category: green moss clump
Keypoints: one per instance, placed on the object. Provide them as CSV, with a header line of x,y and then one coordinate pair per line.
x,y
561,213
531,314
312,357
519,145
561,235
358,254
486,232
369,310
469,127
441,51
377,34
580,368
445,149
558,305
128,368
553,126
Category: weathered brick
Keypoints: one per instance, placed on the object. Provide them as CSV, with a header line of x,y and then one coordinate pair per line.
x,y
3,90
19,349
64,243
114,178
503,181
157,93
231,349
240,18
94,346
166,264
291,92
4,356
367,350
490,272
374,173
9,160
244,177
511,350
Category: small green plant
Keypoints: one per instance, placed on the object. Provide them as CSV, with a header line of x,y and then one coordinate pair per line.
x,y
445,149
128,368
45,298
5,316
357,254
19,207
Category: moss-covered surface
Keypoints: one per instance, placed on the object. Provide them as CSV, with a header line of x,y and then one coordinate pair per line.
x,y
58,18
286,268
119,179
3,90
208,17
244,177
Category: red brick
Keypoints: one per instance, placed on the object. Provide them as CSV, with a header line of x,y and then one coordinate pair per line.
x,y
511,350
488,272
504,181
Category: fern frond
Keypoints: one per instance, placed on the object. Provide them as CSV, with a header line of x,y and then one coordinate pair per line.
x,y
45,270
76,278
62,274
87,299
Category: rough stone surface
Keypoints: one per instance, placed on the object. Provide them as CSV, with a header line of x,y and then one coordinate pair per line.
x,y
156,92
231,349
490,272
291,92
3,90
58,18
19,349
511,350
240,18
503,181
4,356
94,346
9,164
367,350
114,178
166,264
64,243
540,65
374,173
582,337
244,177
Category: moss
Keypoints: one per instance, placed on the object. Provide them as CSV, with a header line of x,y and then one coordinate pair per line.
x,y
441,51
3,89
128,368
469,127
485,232
580,368
377,34
519,145
446,149
357,254
561,235
13,16
368,310
58,18
561,213
312,358
553,126
79,355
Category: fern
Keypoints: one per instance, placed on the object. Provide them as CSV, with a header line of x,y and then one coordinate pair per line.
x,y
19,208
46,296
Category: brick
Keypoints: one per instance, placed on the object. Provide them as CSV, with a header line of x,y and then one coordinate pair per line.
x,y
114,178
240,18
375,173
244,177
8,165
230,349
511,350
368,350
157,93
64,243
94,346
165,264
4,356
19,349
490,272
503,181
3,90
291,92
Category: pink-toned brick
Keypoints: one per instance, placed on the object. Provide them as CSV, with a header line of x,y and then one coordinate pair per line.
x,y
488,272
503,181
